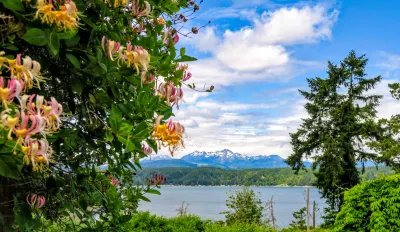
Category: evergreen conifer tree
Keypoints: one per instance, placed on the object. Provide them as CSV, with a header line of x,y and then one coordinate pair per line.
x,y
341,120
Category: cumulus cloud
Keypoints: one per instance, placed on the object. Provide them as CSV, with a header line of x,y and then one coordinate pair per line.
x,y
392,61
258,51
295,25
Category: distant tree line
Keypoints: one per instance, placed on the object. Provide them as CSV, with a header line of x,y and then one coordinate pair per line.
x,y
254,177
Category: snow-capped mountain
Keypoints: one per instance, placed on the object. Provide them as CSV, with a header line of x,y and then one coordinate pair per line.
x,y
222,159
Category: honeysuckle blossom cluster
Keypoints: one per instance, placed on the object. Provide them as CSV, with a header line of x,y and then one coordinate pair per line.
x,y
140,10
131,56
170,93
186,74
169,134
35,201
146,150
29,122
64,16
156,179
113,181
170,33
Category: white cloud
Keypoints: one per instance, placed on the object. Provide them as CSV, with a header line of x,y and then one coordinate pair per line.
x,y
246,56
257,52
207,41
392,61
295,25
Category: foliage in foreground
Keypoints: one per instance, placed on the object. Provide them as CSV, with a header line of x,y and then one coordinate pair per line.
x,y
86,85
144,221
371,206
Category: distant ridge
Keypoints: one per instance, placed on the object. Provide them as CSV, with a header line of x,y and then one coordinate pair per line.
x,y
225,159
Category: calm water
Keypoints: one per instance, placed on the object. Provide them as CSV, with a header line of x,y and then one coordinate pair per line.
x,y
209,201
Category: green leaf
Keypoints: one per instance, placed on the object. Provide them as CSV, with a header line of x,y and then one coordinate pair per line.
x,y
152,144
9,147
141,130
153,191
144,198
182,52
36,37
130,146
67,34
125,218
14,5
11,47
10,166
73,41
186,58
114,36
172,51
109,136
76,85
103,66
115,118
74,61
125,128
54,43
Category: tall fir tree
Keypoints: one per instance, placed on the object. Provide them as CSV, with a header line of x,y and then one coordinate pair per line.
x,y
341,120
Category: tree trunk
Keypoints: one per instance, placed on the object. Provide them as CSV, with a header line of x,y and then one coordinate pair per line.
x,y
7,189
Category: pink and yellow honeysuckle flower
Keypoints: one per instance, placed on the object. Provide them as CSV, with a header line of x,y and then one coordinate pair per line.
x,y
147,79
27,70
53,120
117,3
161,21
9,121
13,89
183,67
66,18
169,34
156,179
169,134
137,56
172,95
140,10
132,56
111,48
47,113
113,181
177,97
186,76
2,58
37,153
146,150
35,201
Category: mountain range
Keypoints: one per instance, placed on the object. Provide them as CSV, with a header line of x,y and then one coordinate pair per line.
x,y
225,159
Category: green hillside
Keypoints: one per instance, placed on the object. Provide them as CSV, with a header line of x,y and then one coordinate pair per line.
x,y
257,177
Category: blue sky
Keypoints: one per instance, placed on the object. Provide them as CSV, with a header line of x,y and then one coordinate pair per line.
x,y
257,53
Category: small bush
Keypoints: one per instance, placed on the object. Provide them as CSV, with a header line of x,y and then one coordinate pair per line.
x,y
146,222
371,206
244,207
237,227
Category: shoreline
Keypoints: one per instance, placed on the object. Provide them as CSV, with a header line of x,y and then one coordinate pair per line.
x,y
269,186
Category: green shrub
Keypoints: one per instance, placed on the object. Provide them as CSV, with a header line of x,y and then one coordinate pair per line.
x,y
244,207
371,206
146,222
237,227
300,219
